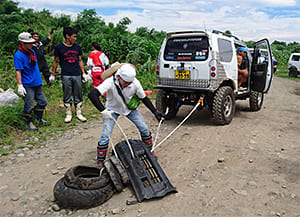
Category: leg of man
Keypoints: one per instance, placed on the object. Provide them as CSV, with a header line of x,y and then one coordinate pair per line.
x,y
68,93
104,139
77,93
28,107
40,106
136,118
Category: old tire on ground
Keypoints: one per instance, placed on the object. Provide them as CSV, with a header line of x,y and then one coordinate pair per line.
x,y
293,72
114,175
120,168
256,100
67,197
223,108
86,177
163,103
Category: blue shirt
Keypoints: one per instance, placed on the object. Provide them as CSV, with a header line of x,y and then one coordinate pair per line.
x,y
30,75
68,59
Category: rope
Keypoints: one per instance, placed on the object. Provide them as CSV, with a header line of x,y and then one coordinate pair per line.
x,y
156,135
110,140
198,103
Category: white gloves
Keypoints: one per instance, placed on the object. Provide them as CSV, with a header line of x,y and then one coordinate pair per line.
x,y
85,78
51,78
107,114
21,90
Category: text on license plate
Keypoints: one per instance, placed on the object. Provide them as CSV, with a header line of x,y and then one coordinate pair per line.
x,y
182,74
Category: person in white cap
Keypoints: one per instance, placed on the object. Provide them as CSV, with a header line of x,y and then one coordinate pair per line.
x,y
121,89
29,81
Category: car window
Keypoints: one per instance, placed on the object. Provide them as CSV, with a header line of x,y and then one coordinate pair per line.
x,y
295,58
187,49
225,50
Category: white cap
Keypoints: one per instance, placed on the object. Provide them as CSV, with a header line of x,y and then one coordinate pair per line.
x,y
127,72
26,37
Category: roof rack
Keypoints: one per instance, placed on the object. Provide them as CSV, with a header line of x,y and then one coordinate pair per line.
x,y
224,33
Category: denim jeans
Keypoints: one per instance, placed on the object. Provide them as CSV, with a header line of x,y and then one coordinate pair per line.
x,y
34,93
134,116
72,88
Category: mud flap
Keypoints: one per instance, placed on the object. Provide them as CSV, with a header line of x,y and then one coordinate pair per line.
x,y
147,178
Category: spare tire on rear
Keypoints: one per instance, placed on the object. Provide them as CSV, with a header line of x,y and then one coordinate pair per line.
x,y
86,177
67,197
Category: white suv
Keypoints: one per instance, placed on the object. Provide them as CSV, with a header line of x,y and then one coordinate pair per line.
x,y
201,66
294,65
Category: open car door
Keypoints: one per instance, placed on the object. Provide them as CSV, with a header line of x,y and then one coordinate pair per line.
x,y
261,68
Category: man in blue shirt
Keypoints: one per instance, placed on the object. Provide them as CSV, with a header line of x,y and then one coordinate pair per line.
x,y
29,80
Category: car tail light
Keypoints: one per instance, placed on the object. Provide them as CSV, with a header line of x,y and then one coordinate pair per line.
x,y
157,70
213,68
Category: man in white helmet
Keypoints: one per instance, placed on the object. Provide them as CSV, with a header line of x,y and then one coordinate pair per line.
x,y
29,81
123,92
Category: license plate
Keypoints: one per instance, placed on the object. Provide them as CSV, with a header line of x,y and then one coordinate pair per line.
x,y
182,74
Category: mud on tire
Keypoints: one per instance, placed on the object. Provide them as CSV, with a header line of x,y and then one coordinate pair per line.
x,y
67,197
86,177
223,107
114,175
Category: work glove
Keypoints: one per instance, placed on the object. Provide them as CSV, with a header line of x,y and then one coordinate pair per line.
x,y
106,114
159,115
21,90
85,78
51,79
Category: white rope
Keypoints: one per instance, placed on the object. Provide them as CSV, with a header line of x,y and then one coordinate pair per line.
x,y
157,131
198,103
110,140
129,146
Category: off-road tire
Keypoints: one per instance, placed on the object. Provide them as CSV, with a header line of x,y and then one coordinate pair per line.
x,y
256,100
120,168
293,72
223,107
161,105
67,197
86,177
114,175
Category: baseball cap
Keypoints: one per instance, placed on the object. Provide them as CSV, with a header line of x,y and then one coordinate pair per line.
x,y
26,37
242,49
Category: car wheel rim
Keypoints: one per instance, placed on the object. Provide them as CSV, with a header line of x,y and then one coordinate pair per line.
x,y
227,106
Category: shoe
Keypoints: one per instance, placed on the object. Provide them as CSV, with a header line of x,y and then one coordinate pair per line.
x,y
44,123
242,89
32,127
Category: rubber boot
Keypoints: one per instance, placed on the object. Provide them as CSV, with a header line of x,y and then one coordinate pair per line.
x,y
101,153
30,124
68,112
148,141
39,115
78,112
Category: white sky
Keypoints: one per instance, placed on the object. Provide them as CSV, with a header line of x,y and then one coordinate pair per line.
x,y
249,20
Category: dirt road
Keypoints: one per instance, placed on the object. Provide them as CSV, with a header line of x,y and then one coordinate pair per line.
x,y
250,167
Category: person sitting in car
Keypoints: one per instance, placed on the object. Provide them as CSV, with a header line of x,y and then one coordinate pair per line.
x,y
242,68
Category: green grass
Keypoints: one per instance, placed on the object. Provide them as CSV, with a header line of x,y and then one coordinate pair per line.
x,y
283,72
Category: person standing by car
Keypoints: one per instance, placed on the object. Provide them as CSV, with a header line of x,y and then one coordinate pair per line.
x,y
29,81
69,55
121,89
39,47
98,61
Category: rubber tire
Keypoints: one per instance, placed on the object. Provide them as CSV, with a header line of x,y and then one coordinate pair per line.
x,y
223,108
120,168
293,72
114,175
67,197
161,105
256,100
86,177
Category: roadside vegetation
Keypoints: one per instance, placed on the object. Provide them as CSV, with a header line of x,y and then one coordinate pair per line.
x,y
140,48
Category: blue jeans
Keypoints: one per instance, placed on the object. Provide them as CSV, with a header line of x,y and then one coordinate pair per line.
x,y
34,93
134,116
72,88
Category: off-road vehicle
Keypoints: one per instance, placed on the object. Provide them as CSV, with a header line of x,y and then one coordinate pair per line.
x,y
294,65
201,67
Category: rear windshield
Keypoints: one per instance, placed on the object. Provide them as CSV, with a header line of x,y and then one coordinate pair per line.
x,y
186,49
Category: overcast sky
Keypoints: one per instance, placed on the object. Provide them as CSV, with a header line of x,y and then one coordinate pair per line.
x,y
247,19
